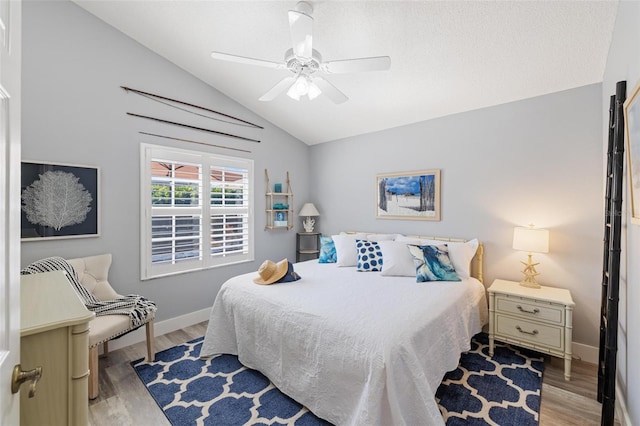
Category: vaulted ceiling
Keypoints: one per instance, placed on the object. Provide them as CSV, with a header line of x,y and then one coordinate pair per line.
x,y
446,56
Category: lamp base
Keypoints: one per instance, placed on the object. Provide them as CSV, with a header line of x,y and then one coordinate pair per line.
x,y
530,283
308,224
530,273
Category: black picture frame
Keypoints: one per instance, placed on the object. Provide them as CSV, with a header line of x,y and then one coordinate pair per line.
x,y
44,217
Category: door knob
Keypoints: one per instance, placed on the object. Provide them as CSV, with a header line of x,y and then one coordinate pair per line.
x,y
18,377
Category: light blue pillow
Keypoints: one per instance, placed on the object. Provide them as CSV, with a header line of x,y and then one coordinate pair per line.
x,y
327,250
433,263
369,256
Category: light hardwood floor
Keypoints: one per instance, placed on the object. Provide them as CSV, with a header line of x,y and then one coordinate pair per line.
x,y
124,400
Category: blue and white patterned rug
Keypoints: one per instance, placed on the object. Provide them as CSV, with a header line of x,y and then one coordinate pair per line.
x,y
500,390
503,390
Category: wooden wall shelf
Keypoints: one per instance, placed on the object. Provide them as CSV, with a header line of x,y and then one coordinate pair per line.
x,y
279,218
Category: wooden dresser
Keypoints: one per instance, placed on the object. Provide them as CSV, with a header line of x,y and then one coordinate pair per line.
x,y
54,336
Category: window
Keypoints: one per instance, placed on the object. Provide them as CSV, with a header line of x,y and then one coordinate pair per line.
x,y
197,210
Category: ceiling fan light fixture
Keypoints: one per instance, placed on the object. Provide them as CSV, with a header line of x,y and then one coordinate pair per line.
x,y
300,87
314,91
293,94
304,63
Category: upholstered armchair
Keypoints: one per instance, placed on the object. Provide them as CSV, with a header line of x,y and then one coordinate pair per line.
x,y
93,274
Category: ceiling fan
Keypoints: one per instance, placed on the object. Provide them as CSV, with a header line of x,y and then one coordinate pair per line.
x,y
305,63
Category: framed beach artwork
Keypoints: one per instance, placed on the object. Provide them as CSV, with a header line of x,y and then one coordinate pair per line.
x,y
59,201
408,195
632,130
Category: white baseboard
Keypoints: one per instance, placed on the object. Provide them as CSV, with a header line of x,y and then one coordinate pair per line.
x,y
161,327
585,352
621,408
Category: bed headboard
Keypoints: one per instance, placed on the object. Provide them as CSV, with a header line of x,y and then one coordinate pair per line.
x,y
476,262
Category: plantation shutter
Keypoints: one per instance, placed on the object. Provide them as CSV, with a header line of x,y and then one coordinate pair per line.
x,y
230,202
197,210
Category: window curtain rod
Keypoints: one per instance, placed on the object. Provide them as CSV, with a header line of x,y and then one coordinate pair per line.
x,y
193,127
192,141
140,92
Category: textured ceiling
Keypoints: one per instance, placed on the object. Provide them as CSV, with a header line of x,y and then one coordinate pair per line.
x,y
446,56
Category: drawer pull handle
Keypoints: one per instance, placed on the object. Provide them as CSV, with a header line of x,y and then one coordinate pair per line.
x,y
521,309
533,333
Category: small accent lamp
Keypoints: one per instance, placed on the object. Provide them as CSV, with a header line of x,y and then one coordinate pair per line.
x,y
308,210
533,241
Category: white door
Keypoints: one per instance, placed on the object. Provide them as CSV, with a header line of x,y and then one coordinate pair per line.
x,y
10,52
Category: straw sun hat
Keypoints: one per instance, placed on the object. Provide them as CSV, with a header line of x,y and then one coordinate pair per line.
x,y
270,271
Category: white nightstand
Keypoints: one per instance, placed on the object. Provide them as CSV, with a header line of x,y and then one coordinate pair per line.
x,y
535,318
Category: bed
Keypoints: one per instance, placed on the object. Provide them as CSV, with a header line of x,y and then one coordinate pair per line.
x,y
356,348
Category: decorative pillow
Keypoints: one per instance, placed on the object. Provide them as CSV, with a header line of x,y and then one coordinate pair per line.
x,y
369,256
346,254
397,259
327,250
460,253
433,263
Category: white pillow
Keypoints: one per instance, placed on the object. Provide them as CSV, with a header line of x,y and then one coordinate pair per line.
x,y
346,252
396,259
460,253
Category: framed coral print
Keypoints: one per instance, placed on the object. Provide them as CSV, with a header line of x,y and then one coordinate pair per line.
x,y
59,201
632,130
408,195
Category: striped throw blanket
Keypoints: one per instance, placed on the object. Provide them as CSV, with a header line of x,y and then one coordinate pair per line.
x,y
137,307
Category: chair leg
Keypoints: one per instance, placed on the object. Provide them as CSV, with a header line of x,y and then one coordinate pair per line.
x,y
93,373
151,353
105,349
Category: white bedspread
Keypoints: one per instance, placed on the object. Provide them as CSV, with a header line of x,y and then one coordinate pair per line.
x,y
356,348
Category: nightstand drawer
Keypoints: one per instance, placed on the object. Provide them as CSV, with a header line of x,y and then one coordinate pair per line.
x,y
528,308
527,331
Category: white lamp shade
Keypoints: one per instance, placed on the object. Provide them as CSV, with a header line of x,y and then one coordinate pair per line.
x,y
308,209
531,240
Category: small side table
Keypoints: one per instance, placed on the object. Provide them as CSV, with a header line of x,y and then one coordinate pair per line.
x,y
309,251
534,318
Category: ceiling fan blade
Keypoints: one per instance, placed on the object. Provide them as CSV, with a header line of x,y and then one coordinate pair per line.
x,y
301,28
330,90
249,61
280,87
377,63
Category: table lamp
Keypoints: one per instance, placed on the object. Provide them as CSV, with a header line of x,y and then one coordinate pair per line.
x,y
530,240
308,210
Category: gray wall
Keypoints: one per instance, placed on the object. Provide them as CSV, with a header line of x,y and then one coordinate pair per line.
x,y
624,64
75,112
534,161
